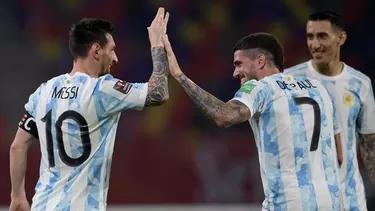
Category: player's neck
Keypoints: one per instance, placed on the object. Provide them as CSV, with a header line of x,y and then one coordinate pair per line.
x,y
332,68
268,72
86,67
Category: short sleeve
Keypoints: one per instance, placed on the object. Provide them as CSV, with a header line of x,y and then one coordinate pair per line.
x,y
255,95
365,121
117,95
31,105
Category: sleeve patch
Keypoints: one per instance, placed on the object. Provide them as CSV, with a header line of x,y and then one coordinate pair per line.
x,y
247,88
123,87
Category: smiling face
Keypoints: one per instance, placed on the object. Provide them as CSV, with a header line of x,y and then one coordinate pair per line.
x,y
107,55
245,68
324,41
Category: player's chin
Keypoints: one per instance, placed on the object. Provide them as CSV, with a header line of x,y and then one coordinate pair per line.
x,y
105,72
320,60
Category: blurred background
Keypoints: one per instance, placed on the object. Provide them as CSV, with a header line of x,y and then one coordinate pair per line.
x,y
170,154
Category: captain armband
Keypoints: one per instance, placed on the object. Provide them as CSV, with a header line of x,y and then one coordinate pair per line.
x,y
28,124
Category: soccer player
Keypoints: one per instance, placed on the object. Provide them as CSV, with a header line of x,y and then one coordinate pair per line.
x,y
292,120
75,117
353,98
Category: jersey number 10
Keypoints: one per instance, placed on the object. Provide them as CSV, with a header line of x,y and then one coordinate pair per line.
x,y
85,138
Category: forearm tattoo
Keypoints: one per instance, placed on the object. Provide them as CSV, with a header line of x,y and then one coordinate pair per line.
x,y
367,147
158,83
224,114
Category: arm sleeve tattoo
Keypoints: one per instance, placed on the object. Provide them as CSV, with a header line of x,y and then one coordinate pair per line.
x,y
224,114
158,83
367,147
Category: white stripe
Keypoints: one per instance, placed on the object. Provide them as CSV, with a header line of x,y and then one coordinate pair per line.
x,y
79,189
286,154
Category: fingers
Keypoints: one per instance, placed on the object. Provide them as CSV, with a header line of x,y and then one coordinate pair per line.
x,y
165,22
159,16
166,18
167,45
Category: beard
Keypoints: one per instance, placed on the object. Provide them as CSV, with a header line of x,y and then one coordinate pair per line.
x,y
104,70
322,66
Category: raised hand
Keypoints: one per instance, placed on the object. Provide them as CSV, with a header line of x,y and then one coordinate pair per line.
x,y
158,28
174,68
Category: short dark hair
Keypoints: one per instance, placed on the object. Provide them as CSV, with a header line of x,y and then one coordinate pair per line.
x,y
267,44
327,15
86,32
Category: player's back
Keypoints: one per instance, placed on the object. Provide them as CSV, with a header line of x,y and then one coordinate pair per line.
x,y
295,140
77,118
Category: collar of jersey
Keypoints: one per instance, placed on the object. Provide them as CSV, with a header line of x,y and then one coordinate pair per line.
x,y
325,77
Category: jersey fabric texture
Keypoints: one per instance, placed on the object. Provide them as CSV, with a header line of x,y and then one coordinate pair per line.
x,y
77,118
293,121
354,101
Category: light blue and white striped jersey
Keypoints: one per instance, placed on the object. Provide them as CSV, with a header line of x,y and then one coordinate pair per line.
x,y
354,100
293,122
77,118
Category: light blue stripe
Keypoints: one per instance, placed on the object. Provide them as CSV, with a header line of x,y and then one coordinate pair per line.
x,y
54,171
358,74
301,156
350,183
330,166
94,179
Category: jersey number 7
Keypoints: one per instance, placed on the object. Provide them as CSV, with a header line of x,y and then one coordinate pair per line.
x,y
85,138
317,119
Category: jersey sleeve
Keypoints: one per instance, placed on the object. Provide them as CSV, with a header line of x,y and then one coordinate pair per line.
x,y
365,121
255,95
31,105
117,95
27,122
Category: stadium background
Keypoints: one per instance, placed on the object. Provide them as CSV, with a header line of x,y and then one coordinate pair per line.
x,y
171,154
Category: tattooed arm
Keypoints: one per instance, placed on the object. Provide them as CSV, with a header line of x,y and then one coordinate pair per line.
x,y
224,114
367,147
158,83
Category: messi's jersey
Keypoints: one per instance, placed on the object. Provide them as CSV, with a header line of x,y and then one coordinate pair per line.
x,y
354,101
77,118
293,121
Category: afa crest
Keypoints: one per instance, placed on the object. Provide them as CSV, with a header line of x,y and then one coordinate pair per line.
x,y
348,99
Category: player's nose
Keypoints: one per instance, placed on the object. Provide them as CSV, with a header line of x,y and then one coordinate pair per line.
x,y
235,73
115,59
315,44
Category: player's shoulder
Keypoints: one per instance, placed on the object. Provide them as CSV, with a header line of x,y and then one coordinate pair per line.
x,y
55,80
357,74
259,83
297,69
48,83
106,77
109,84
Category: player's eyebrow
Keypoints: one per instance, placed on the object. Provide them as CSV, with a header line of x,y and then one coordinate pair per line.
x,y
236,63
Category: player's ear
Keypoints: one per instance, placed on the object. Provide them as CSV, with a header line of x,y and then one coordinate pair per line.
x,y
94,51
261,60
342,38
